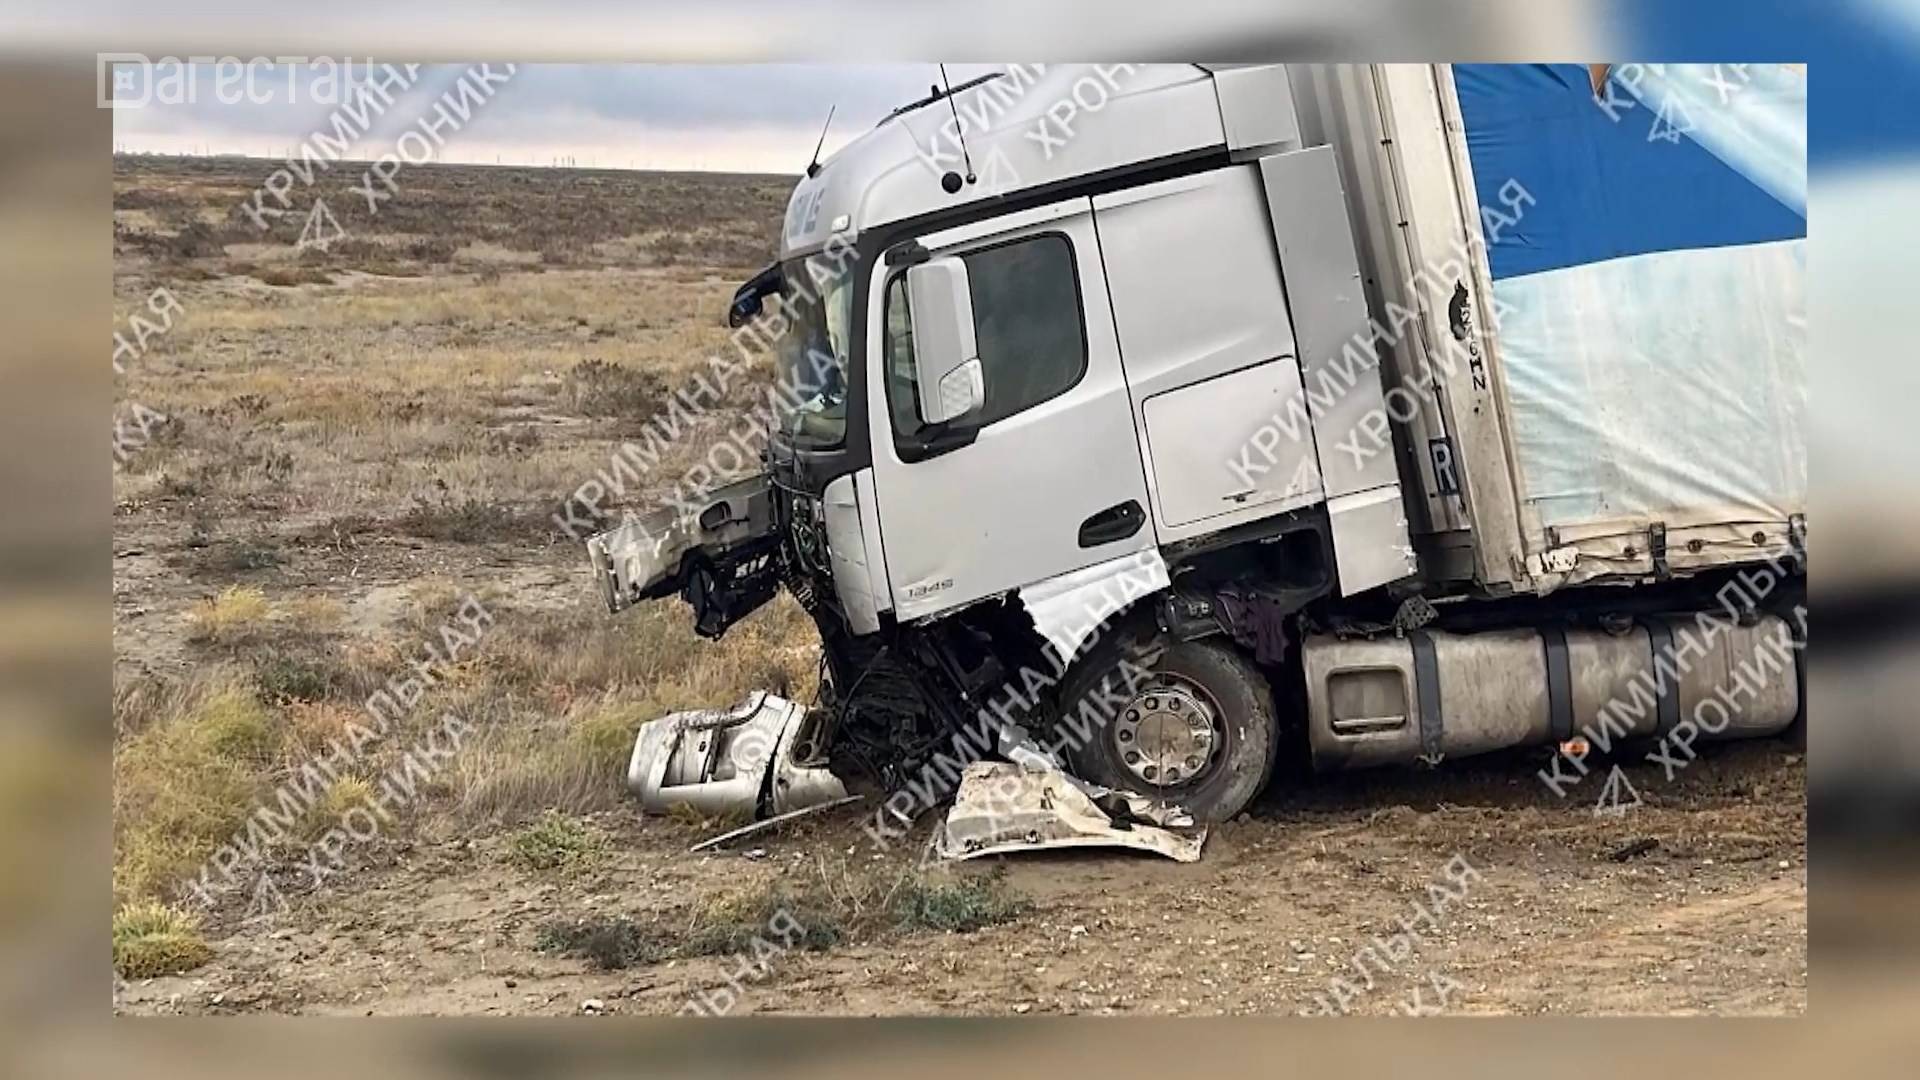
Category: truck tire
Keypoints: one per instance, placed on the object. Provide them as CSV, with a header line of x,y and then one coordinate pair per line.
x,y
1152,742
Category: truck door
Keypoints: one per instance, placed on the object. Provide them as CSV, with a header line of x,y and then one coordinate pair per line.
x,y
1045,477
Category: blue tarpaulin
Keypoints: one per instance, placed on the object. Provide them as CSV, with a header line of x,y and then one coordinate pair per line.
x,y
1613,175
1650,298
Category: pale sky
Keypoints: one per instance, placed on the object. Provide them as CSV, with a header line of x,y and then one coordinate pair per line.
x,y
750,118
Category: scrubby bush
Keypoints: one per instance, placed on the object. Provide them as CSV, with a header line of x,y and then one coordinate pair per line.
x,y
556,841
152,939
185,781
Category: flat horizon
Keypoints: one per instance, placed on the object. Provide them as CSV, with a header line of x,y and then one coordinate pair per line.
x,y
235,155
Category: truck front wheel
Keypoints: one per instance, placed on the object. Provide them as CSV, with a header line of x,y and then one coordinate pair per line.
x,y
1194,724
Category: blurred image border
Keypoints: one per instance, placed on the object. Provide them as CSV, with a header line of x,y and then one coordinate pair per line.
x,y
55,191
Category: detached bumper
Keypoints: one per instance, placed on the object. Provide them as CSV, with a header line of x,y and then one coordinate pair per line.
x,y
728,761
718,554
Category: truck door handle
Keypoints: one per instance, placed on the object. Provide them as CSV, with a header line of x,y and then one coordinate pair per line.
x,y
1113,523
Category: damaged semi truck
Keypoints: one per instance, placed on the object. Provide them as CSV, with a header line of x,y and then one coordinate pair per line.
x,y
1170,421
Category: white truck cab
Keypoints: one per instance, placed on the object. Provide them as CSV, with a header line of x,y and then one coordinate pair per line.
x,y
1193,372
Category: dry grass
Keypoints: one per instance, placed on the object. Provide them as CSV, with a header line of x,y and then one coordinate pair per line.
x,y
313,726
185,781
289,675
828,906
469,521
496,400
702,824
315,615
596,387
651,656
342,797
151,939
596,680
231,724
539,321
411,406
237,614
187,209
578,769
295,275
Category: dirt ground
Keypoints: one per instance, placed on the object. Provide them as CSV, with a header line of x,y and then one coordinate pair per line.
x,y
354,436
1712,920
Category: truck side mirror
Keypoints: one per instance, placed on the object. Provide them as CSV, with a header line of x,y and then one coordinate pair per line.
x,y
946,355
746,304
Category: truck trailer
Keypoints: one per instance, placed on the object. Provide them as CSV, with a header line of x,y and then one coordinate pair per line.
x,y
1172,421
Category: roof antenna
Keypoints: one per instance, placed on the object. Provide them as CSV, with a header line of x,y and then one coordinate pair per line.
x,y
956,134
813,167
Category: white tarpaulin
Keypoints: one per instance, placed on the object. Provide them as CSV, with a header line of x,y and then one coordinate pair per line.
x,y
1651,299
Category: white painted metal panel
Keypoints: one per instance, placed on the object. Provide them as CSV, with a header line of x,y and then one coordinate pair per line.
x,y
1067,609
1036,125
1370,545
1006,511
1256,106
847,551
870,537
1197,434
1197,294
1339,362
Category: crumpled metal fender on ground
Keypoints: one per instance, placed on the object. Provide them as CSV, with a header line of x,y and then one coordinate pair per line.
x,y
1003,808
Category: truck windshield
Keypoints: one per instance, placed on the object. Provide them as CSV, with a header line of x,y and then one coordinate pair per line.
x,y
811,357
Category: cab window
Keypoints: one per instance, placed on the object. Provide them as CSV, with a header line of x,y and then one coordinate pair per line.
x,y
1027,322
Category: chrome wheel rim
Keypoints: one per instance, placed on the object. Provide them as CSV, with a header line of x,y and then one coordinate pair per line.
x,y
1169,735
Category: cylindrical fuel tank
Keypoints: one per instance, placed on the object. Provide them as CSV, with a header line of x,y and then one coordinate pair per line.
x,y
1431,693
